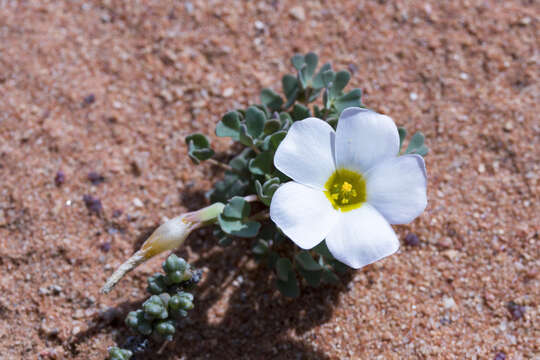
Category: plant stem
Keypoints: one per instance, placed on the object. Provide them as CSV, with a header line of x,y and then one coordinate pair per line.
x,y
256,149
220,164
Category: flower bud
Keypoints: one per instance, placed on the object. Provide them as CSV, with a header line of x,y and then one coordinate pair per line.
x,y
168,236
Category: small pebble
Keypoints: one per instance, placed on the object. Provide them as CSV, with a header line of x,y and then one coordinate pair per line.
x,y
352,68
138,203
508,126
259,25
517,311
448,302
117,213
481,168
60,178
413,96
92,204
500,356
89,99
298,13
412,240
189,7
228,92
105,246
464,76
95,178
56,289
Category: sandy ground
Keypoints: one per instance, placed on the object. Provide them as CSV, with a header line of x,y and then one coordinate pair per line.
x,y
112,87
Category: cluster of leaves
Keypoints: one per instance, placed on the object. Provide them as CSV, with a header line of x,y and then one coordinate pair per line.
x,y
257,131
159,315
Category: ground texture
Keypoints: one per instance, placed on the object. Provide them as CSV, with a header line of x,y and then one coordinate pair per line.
x,y
112,87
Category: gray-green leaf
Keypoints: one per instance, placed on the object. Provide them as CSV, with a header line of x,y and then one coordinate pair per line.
x,y
229,126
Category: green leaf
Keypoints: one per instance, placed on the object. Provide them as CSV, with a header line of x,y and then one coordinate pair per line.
x,y
319,79
283,268
290,88
225,241
255,119
276,139
341,80
329,277
199,148
244,136
322,249
260,248
311,60
299,112
351,99
231,185
271,100
289,288
305,260
262,164
402,134
298,61
338,266
241,161
238,228
416,145
266,191
229,126
237,208
286,120
271,126
313,278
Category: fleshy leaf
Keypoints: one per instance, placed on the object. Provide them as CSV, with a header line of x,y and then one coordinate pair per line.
x,y
229,126
254,122
244,136
237,208
322,249
266,191
262,164
351,99
199,148
319,79
260,248
271,126
306,261
329,277
341,80
298,61
416,145
283,268
238,228
271,100
313,278
300,112
288,287
311,60
402,134
290,88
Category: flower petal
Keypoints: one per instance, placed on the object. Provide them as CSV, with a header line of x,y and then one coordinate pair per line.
x,y
364,138
307,153
361,237
304,214
397,188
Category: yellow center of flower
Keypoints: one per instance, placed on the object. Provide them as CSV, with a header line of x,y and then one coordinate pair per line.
x,y
346,190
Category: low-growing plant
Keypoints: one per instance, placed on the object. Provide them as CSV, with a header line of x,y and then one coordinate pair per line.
x,y
315,181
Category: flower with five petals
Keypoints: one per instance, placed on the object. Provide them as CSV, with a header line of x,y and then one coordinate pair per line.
x,y
348,186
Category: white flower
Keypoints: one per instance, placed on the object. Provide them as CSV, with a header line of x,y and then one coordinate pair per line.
x,y
349,186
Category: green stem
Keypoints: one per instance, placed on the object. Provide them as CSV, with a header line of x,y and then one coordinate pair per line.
x,y
256,149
